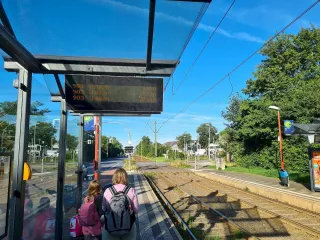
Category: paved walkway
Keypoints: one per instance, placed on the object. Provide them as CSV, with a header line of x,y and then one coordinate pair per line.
x,y
295,188
152,221
297,194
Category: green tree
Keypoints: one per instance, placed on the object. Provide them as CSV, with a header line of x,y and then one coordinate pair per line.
x,y
44,131
72,142
287,77
7,133
111,148
203,132
10,108
182,139
146,145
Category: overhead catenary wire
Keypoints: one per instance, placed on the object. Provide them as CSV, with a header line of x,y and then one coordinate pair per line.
x,y
205,46
229,97
193,29
243,62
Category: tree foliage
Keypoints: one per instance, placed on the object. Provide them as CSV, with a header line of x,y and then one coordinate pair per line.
x,y
182,139
42,131
111,149
72,142
10,108
288,77
203,132
147,148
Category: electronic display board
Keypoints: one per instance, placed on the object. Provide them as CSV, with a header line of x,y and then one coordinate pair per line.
x,y
114,94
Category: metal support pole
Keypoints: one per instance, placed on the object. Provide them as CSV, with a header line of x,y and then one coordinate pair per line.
x,y
141,149
152,10
155,142
61,168
280,141
209,144
80,163
96,146
99,156
184,146
20,155
34,142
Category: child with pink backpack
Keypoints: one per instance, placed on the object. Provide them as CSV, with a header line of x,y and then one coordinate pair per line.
x,y
91,212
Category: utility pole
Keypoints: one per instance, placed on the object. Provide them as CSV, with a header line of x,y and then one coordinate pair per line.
x,y
195,159
209,143
155,141
184,146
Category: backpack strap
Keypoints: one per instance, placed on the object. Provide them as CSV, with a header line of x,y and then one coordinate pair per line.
x,y
112,190
126,190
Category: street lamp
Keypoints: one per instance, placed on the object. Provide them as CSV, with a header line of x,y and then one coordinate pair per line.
x,y
284,177
208,124
280,138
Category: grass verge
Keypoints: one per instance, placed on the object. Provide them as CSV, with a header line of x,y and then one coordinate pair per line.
x,y
130,166
299,177
179,164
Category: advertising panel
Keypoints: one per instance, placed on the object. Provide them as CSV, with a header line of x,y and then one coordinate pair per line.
x,y
315,169
288,127
88,123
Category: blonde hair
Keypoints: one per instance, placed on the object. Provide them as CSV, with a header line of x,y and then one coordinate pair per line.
x,y
120,176
94,189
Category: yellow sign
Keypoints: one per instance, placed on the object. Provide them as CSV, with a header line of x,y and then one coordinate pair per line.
x,y
27,173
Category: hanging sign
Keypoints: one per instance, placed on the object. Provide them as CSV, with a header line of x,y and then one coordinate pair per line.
x,y
114,94
288,127
88,123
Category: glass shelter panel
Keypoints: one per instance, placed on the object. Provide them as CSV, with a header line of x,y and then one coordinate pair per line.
x,y
8,112
71,165
175,22
113,29
43,153
104,28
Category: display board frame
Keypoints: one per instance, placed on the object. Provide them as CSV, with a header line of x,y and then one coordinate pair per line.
x,y
112,94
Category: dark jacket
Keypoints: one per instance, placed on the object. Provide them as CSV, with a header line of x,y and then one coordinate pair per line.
x,y
98,203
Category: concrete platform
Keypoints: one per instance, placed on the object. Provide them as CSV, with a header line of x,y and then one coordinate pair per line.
x,y
297,194
152,221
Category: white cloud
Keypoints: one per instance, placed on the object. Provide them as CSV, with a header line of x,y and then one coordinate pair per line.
x,y
243,36
270,17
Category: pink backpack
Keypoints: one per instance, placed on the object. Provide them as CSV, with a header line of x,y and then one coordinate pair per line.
x,y
89,219
88,215
75,227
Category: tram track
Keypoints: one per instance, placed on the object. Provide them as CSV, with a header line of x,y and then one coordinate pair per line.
x,y
273,220
197,218
300,218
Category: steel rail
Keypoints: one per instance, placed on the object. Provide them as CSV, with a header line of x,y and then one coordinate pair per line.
x,y
295,224
285,205
171,207
209,207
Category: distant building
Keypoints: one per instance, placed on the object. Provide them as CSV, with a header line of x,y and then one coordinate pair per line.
x,y
173,145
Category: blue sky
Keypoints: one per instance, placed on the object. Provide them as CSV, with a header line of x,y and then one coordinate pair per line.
x,y
109,28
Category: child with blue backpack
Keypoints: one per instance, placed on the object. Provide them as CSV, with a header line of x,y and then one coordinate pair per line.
x,y
120,204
